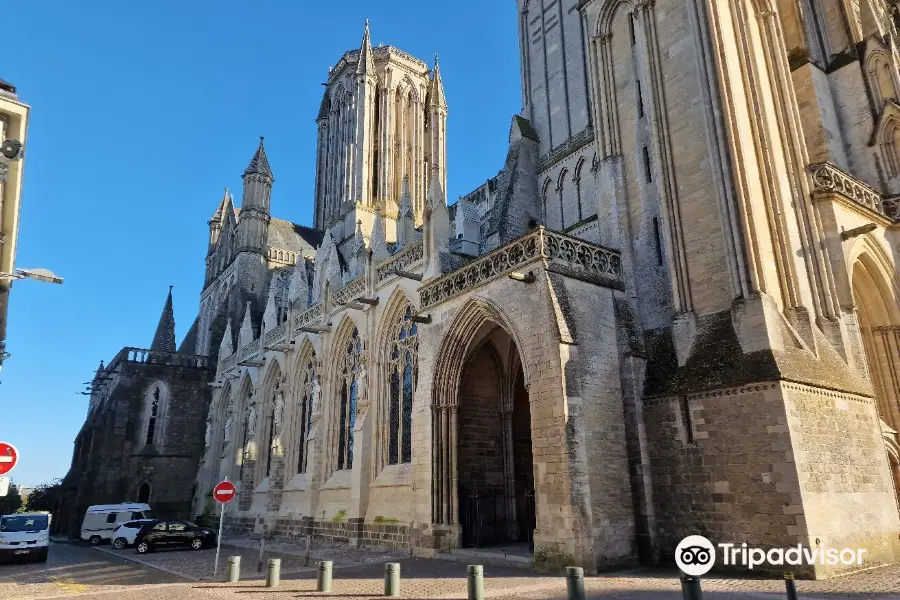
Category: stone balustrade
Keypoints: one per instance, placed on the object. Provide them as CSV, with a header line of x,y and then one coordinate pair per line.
x,y
564,254
402,261
276,335
170,359
827,178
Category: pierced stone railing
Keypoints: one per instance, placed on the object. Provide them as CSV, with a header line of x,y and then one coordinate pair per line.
x,y
828,178
307,317
250,350
156,357
277,335
230,362
401,261
354,289
563,254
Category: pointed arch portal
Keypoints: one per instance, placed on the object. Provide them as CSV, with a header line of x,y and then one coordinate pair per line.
x,y
483,473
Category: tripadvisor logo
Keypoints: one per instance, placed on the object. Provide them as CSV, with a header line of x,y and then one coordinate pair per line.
x,y
696,555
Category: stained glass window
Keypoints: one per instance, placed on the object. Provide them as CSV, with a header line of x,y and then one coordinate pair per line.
x,y
305,410
403,371
348,398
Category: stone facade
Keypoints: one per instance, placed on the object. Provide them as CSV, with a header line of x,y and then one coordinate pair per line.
x,y
675,310
142,438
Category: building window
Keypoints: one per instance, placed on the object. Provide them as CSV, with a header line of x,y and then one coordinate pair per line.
x,y
305,409
349,394
271,439
648,174
659,255
640,99
403,372
631,29
154,413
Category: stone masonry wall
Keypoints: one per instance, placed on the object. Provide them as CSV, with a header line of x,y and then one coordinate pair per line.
x,y
845,481
480,428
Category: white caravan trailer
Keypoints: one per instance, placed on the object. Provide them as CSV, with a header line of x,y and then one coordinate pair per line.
x,y
100,520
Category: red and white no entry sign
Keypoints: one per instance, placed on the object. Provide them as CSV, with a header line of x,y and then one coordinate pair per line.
x,y
9,456
224,492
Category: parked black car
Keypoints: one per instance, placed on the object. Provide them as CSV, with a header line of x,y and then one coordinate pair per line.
x,y
171,533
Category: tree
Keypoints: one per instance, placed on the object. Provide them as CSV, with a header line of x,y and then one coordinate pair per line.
x,y
11,502
44,496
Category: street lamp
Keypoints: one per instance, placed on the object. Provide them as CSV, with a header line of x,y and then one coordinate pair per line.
x,y
44,275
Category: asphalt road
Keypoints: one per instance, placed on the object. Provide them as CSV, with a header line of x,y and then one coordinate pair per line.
x,y
76,569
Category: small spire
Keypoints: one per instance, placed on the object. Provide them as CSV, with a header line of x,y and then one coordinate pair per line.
x,y
405,199
259,164
366,64
164,338
436,98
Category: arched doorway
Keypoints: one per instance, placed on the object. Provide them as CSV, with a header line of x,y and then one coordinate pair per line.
x,y
144,493
484,466
875,293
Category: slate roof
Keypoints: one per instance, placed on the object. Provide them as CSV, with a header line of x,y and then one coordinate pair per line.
x,y
259,164
526,128
293,237
7,87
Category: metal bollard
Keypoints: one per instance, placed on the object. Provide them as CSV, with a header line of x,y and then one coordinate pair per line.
x,y
323,582
791,586
475,583
234,568
392,579
273,576
690,587
575,583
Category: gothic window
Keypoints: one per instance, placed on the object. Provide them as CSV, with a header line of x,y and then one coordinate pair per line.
x,y
881,78
246,434
545,197
271,425
305,410
560,184
348,395
890,145
579,169
403,372
154,413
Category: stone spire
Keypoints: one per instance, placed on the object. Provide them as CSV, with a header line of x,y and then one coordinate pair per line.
x,y
405,199
226,347
259,164
219,215
164,338
366,64
436,98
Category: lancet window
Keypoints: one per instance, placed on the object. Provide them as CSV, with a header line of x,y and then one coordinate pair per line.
x,y
349,373
403,372
308,382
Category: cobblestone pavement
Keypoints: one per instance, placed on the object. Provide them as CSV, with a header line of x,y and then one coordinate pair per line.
x,y
198,565
75,569
339,554
100,575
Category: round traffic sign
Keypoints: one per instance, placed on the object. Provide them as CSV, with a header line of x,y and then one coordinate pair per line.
x,y
9,456
224,492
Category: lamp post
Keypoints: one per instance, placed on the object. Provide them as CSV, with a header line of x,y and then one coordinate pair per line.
x,y
44,275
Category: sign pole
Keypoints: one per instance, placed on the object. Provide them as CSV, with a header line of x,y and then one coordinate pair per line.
x,y
223,493
219,540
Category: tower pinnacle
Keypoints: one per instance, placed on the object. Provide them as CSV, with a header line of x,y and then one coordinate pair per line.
x,y
259,164
164,338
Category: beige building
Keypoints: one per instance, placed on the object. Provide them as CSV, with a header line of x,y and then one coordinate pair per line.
x,y
13,126
673,311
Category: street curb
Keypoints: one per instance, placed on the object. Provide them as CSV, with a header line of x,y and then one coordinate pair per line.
x,y
146,564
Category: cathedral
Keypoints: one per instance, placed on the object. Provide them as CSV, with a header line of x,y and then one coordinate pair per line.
x,y
675,310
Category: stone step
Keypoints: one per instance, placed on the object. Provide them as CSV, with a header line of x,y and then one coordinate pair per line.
x,y
488,556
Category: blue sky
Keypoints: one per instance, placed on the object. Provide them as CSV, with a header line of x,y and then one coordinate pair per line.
x,y
142,112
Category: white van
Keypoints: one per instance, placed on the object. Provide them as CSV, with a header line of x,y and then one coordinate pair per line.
x,y
25,535
100,520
